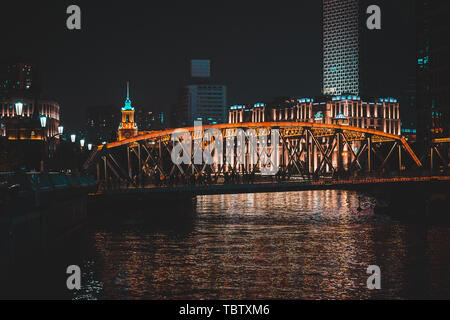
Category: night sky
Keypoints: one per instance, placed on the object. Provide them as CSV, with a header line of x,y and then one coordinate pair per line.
x,y
259,51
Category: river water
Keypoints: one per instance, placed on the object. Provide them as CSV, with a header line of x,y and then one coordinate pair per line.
x,y
293,245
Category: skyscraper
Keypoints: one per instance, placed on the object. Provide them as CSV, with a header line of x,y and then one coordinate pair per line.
x,y
341,47
433,69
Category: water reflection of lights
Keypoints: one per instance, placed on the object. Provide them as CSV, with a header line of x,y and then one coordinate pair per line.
x,y
311,244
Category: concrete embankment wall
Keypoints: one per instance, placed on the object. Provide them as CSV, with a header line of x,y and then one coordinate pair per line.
x,y
43,210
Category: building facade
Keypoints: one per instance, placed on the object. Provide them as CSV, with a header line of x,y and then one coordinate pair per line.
x,y
205,102
381,114
22,105
28,126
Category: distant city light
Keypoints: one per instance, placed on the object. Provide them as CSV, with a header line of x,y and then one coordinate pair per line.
x,y
318,116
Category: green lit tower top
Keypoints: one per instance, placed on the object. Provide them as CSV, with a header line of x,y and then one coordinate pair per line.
x,y
127,105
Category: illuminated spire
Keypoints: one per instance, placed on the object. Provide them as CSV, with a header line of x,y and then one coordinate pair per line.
x,y
127,105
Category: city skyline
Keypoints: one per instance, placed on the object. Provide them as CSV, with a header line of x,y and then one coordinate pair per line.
x,y
201,153
270,54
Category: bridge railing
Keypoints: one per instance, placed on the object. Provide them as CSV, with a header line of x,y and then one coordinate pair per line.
x,y
124,185
45,181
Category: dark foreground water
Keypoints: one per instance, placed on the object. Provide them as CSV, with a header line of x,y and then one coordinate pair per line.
x,y
298,245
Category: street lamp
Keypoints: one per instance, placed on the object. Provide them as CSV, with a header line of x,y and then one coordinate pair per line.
x,y
44,140
60,130
43,121
90,146
72,138
82,142
19,108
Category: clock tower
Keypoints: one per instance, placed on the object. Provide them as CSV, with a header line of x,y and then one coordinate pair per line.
x,y
127,128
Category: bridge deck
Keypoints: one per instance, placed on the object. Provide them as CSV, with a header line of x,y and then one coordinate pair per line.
x,y
263,187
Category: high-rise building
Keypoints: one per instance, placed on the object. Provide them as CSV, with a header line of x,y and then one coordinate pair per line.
x,y
201,100
341,47
409,109
433,70
360,60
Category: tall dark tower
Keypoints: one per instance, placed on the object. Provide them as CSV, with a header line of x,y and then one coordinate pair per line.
x,y
433,69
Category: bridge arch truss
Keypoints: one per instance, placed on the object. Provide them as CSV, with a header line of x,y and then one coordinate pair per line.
x,y
308,150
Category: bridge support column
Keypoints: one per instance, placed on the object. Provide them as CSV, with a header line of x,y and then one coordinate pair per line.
x,y
308,151
105,164
130,173
339,152
369,154
400,166
139,164
98,171
315,159
431,159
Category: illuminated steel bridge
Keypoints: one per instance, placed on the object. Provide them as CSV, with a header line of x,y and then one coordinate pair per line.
x,y
307,151
439,153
